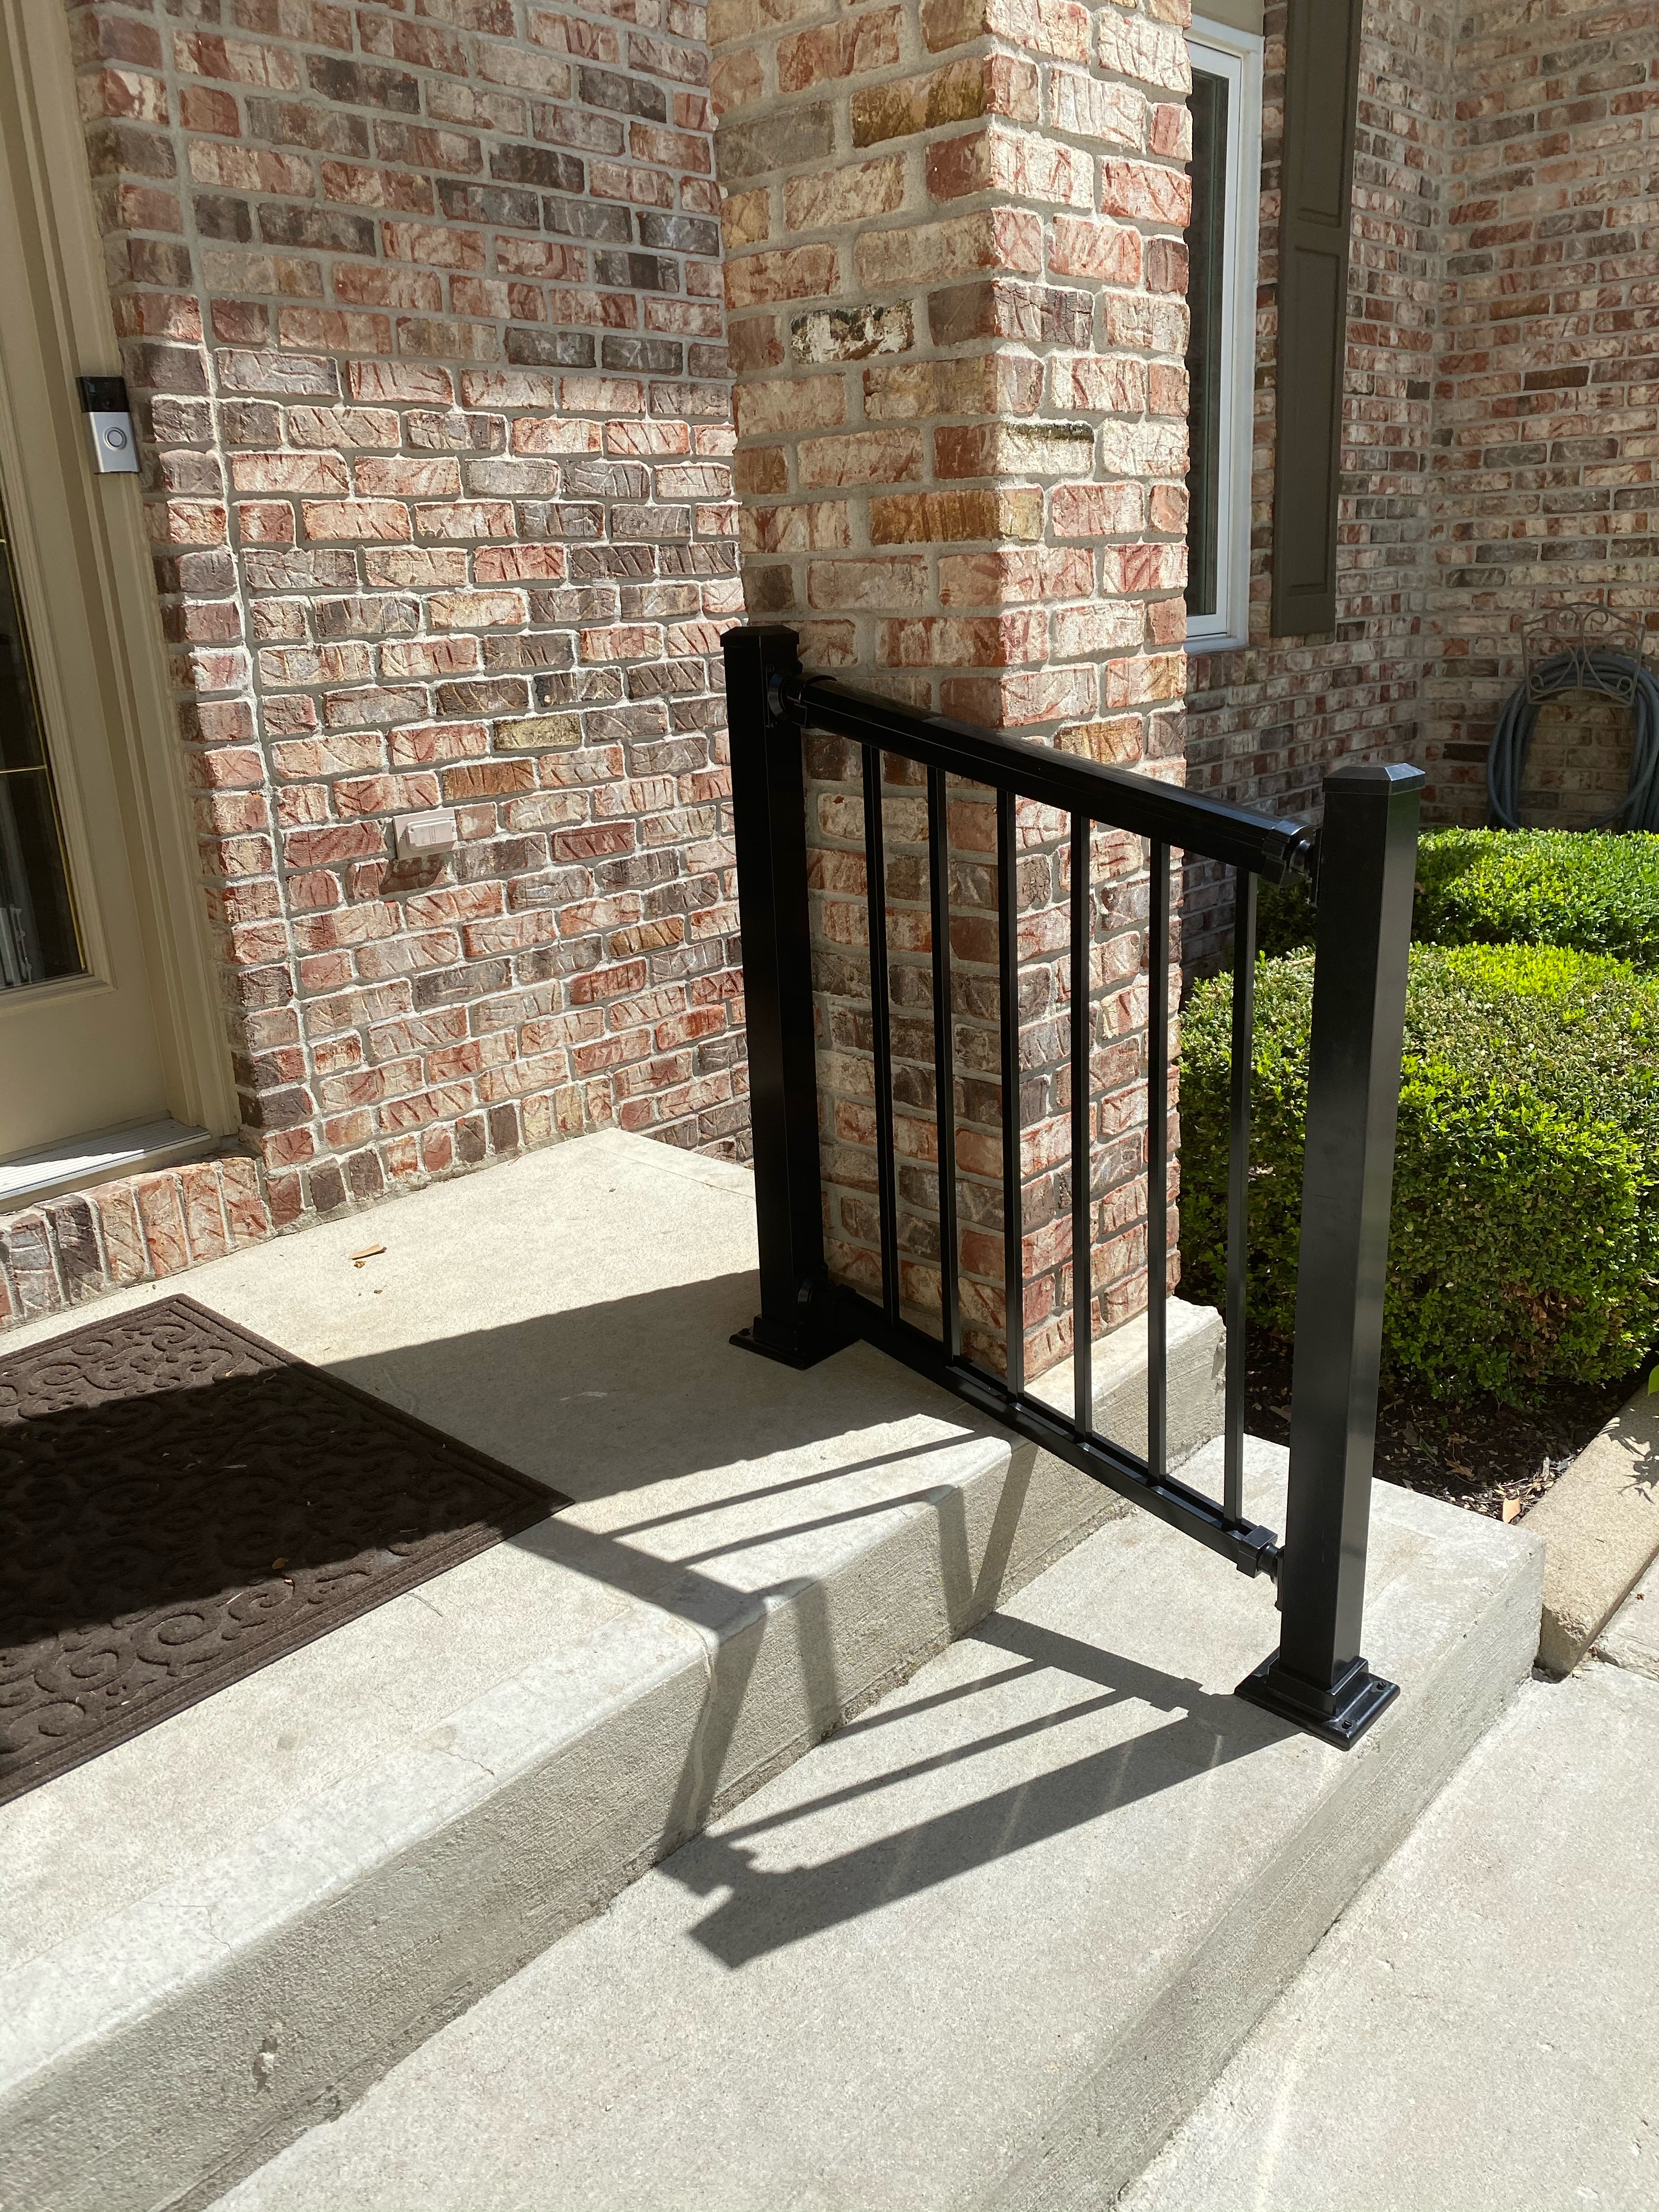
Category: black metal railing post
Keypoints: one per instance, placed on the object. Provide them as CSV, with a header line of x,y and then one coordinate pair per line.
x,y
1367,860
769,804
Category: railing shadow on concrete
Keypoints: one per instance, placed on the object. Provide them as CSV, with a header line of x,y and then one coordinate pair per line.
x,y
767,1910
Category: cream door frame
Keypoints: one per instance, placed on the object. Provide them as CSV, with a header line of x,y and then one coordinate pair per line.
x,y
114,557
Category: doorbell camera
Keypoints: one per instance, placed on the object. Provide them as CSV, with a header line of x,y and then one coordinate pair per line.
x,y
109,419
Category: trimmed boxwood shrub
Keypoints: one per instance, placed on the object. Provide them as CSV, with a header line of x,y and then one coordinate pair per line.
x,y
1513,887
1539,887
1285,919
1524,1247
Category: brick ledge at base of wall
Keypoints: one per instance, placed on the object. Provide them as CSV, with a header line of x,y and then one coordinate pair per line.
x,y
145,1228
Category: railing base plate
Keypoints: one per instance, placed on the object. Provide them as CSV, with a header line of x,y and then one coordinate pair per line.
x,y
789,1347
1341,1714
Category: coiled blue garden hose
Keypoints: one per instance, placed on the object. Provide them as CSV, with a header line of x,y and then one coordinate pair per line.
x,y
1617,675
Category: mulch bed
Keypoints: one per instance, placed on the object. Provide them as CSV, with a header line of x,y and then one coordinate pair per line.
x,y
181,1502
1478,1454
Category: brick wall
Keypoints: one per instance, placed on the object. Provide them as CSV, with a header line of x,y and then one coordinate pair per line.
x,y
1547,403
1501,418
422,320
954,280
1265,723
138,1229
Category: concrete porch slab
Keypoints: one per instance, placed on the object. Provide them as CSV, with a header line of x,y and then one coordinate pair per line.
x,y
984,1946
219,1930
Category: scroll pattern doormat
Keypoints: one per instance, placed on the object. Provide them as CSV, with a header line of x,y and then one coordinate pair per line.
x,y
181,1503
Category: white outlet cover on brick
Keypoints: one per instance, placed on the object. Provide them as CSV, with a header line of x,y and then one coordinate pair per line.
x,y
419,836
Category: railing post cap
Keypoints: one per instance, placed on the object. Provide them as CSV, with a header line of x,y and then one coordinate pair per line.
x,y
1395,775
755,637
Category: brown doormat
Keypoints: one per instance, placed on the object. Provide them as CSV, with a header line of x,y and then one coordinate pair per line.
x,y
181,1503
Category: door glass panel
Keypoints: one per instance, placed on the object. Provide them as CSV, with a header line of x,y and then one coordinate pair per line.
x,y
38,935
1207,245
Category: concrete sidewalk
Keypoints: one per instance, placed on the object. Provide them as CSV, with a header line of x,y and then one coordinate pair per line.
x,y
1482,2026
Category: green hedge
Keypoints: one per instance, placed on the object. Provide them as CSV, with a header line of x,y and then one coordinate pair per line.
x,y
1596,893
1525,1241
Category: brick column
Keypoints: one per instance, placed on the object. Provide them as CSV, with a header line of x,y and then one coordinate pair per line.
x,y
954,283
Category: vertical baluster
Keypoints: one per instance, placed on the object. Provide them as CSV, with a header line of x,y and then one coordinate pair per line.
x,y
944,1080
1083,1300
1158,1162
1013,1257
1239,1188
881,1028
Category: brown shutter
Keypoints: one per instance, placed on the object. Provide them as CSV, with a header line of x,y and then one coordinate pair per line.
x,y
1322,94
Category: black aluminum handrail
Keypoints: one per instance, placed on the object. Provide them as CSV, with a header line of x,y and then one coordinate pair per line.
x,y
1368,846
1163,812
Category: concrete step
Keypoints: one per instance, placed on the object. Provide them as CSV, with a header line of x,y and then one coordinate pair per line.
x,y
1480,2027
219,1931
986,1945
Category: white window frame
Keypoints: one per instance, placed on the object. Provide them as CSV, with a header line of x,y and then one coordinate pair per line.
x,y
1221,51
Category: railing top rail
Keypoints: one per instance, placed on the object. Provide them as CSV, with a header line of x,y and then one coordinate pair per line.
x,y
1117,797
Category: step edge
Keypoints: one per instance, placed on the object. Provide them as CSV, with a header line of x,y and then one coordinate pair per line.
x,y
1478,1675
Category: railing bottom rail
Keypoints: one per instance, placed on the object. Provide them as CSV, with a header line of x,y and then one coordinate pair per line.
x,y
1250,1548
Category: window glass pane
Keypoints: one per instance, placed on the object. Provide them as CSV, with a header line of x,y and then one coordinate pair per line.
x,y
1206,243
37,937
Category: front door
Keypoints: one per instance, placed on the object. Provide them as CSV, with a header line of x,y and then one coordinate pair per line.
x,y
79,1050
